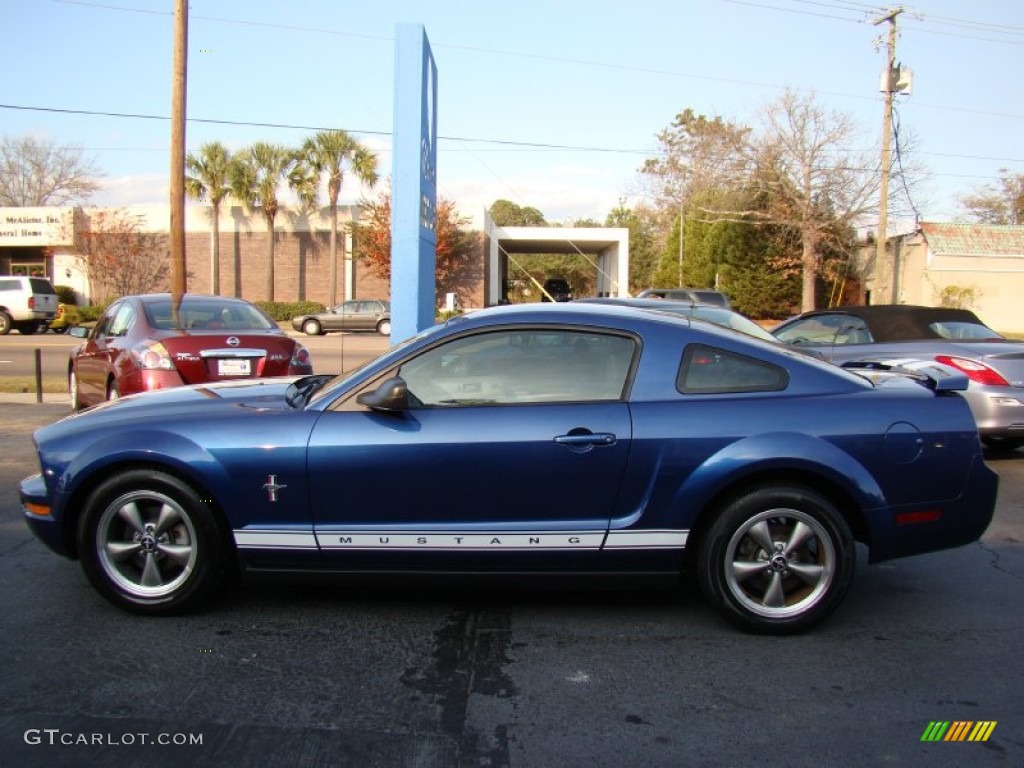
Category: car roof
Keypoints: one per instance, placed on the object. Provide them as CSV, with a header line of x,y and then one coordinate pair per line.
x,y
898,322
150,298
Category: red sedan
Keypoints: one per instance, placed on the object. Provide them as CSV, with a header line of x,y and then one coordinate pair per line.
x,y
147,342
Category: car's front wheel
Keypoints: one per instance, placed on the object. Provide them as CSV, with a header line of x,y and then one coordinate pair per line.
x,y
777,560
312,328
150,544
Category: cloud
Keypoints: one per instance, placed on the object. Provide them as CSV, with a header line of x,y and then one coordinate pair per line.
x,y
145,189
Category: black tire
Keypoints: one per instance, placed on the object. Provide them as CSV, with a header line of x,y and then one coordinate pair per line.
x,y
28,329
149,544
312,327
997,443
777,560
5,323
113,391
59,329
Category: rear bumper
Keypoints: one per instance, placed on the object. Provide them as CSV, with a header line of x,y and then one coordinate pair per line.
x,y
960,521
998,411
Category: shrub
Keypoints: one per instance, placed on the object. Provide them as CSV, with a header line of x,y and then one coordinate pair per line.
x,y
282,311
66,294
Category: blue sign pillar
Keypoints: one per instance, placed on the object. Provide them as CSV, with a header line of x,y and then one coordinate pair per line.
x,y
413,184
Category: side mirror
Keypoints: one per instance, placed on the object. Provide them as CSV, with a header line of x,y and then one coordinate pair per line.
x,y
392,396
78,331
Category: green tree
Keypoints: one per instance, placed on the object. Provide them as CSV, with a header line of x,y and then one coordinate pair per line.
x,y
208,177
330,153
256,177
505,213
1001,203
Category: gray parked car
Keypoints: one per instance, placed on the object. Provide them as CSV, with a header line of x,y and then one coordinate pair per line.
x,y
697,295
712,313
955,337
354,315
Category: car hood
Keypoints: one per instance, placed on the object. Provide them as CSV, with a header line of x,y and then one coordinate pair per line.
x,y
200,401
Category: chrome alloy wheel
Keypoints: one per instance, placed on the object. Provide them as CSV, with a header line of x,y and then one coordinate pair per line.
x,y
146,544
780,563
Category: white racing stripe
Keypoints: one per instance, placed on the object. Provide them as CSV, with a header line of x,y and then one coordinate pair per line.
x,y
464,541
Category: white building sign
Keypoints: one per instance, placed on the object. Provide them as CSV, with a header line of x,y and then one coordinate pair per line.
x,y
34,227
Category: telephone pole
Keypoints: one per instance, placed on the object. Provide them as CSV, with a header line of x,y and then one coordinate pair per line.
x,y
889,87
178,79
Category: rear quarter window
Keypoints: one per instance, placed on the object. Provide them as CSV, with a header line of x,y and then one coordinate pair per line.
x,y
709,370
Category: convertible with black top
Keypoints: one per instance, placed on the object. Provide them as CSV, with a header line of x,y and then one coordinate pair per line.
x,y
552,442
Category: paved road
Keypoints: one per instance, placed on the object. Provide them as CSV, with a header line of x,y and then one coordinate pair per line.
x,y
289,676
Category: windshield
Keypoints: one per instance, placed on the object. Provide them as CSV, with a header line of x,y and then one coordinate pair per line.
x,y
330,389
954,330
207,314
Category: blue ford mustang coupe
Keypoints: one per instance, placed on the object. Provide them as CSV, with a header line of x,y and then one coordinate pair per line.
x,y
555,441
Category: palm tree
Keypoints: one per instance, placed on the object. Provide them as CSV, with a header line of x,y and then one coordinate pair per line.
x,y
208,176
256,175
329,153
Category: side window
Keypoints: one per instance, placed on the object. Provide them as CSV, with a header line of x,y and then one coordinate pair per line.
x,y
122,321
708,370
521,366
103,324
827,329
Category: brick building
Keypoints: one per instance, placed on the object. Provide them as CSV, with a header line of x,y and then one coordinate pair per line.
x,y
42,241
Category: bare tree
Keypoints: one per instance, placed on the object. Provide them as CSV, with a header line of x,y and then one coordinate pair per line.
x,y
37,172
817,183
119,257
1001,203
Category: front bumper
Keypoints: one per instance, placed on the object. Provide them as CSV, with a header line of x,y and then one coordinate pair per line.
x,y
37,505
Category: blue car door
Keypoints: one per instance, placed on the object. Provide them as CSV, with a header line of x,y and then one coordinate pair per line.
x,y
510,455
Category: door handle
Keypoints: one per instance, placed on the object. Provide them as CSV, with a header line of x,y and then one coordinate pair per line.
x,y
585,439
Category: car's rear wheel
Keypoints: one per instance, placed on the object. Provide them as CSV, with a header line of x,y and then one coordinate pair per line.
x,y
1002,443
312,328
777,560
150,544
113,391
28,329
5,323
384,327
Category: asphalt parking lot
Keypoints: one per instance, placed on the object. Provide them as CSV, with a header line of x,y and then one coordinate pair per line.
x,y
283,676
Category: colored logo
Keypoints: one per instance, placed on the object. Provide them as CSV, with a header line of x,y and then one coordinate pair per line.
x,y
958,730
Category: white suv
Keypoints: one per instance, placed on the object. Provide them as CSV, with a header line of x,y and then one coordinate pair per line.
x,y
26,303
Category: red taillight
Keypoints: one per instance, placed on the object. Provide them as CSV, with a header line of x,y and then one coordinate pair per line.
x,y
300,357
31,302
923,516
977,372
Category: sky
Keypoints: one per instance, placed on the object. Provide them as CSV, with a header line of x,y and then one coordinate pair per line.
x,y
553,104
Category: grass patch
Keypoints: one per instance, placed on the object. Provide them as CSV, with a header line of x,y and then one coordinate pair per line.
x,y
51,384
